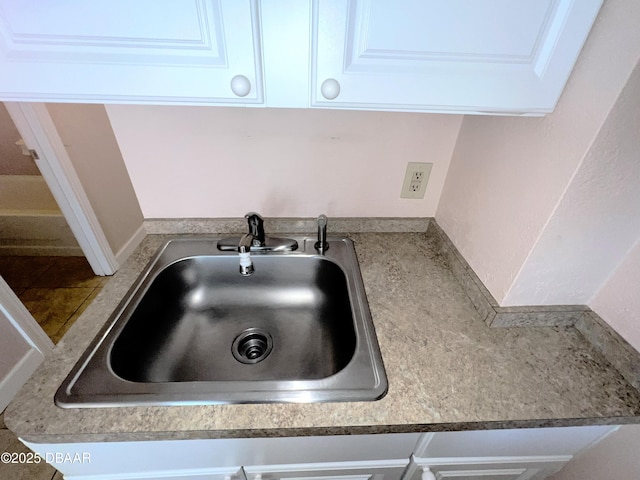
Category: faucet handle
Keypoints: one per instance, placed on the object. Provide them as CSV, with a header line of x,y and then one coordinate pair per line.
x,y
256,226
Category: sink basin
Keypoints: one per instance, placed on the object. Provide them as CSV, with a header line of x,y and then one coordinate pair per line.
x,y
212,324
192,330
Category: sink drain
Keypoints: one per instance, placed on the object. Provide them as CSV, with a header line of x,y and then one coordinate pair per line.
x,y
252,346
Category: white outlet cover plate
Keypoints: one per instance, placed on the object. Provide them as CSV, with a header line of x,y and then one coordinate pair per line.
x,y
413,167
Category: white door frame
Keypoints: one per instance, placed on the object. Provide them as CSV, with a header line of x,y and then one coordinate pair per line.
x,y
40,135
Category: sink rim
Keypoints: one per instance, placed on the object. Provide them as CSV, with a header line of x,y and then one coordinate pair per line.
x,y
366,365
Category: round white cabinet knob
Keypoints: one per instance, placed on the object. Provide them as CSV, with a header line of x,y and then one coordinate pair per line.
x,y
240,85
427,474
330,88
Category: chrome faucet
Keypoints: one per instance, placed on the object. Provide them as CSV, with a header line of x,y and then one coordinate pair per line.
x,y
255,241
254,237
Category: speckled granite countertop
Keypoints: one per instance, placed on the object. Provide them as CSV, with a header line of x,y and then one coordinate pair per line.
x,y
447,370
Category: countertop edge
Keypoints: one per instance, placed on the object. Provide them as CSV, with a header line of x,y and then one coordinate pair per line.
x,y
328,431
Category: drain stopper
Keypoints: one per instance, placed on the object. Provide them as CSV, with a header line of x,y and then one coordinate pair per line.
x,y
252,345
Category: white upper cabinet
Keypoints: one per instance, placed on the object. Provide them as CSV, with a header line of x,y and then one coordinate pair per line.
x,y
454,56
142,51
473,56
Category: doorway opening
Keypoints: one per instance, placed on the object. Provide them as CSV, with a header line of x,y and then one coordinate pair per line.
x,y
40,258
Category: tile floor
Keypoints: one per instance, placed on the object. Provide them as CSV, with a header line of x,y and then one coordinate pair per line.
x,y
56,290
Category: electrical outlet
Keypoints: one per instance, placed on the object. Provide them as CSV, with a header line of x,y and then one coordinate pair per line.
x,y
415,180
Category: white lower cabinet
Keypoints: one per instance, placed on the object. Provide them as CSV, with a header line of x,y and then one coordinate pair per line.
x,y
521,454
522,468
346,457
368,470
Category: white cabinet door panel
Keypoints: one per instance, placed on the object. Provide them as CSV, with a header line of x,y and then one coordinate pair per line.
x,y
365,470
486,468
511,442
459,55
174,51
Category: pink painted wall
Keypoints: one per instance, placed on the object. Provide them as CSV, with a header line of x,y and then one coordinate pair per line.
x,y
12,162
508,174
224,162
93,150
618,301
596,222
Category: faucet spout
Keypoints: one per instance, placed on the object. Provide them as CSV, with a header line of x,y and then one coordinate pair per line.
x,y
244,251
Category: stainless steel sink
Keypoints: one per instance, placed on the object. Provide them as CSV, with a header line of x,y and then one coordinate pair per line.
x,y
192,330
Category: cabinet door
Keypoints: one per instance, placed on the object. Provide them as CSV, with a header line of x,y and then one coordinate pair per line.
x,y
488,469
456,55
143,51
367,470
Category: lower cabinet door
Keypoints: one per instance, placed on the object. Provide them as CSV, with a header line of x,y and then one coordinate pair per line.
x,y
369,470
486,469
